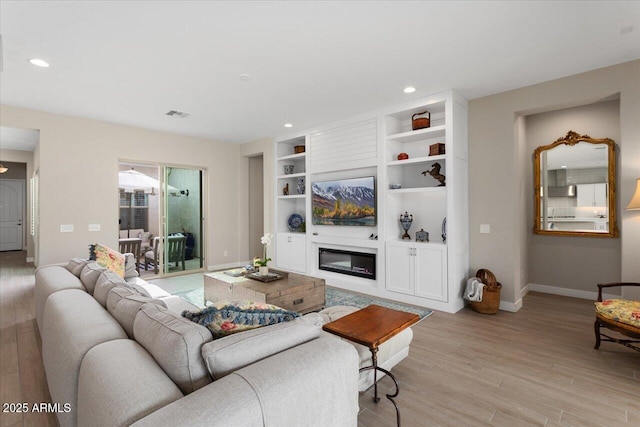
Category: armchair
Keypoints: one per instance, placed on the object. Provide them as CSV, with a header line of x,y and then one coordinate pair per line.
x,y
175,252
619,315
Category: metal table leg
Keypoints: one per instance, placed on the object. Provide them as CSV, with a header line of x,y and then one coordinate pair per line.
x,y
376,368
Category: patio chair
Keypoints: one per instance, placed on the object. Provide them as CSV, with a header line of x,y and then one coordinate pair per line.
x,y
619,315
175,252
131,245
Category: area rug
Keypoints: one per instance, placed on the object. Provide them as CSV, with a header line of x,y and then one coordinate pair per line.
x,y
333,297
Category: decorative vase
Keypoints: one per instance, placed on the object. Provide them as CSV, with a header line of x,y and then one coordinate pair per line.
x,y
300,186
263,271
422,236
405,221
288,169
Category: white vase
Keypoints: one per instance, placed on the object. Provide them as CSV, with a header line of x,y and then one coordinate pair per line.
x,y
263,271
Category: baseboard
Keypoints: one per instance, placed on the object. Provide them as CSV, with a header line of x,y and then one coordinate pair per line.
x,y
524,291
575,293
511,306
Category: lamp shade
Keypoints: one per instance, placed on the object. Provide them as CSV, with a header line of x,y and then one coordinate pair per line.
x,y
3,169
634,204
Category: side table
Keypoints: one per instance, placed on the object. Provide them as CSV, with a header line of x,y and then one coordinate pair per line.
x,y
370,327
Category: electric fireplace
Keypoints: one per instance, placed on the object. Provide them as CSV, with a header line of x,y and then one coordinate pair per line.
x,y
359,264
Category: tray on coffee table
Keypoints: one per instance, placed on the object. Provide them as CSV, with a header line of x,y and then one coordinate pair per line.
x,y
269,277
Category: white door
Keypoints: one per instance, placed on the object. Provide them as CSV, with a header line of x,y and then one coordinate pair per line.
x,y
11,208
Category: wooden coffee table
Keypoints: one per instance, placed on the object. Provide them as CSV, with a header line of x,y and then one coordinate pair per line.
x,y
372,326
296,292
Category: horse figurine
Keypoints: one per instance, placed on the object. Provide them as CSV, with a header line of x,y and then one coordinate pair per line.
x,y
435,173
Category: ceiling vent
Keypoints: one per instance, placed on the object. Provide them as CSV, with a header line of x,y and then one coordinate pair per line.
x,y
180,114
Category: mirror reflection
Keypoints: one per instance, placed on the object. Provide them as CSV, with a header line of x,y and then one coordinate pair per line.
x,y
575,187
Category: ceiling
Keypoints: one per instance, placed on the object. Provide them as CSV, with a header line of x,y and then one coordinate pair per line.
x,y
308,63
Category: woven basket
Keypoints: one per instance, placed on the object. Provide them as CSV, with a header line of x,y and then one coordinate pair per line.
x,y
490,294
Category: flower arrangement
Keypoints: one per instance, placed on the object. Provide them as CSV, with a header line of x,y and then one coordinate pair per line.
x,y
266,241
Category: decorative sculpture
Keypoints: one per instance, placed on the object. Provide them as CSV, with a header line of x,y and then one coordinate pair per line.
x,y
285,190
405,222
435,173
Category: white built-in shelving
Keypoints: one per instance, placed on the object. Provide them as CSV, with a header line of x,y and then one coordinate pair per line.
x,y
430,274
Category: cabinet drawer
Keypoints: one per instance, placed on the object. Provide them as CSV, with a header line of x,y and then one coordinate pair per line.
x,y
302,302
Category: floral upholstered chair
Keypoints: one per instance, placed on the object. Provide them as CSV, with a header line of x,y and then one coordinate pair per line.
x,y
619,315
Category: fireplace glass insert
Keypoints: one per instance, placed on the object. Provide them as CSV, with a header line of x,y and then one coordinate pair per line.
x,y
359,264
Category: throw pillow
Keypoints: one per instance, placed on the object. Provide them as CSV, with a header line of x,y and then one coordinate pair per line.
x,y
110,259
225,318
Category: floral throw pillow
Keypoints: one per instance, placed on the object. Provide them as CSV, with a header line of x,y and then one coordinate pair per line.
x,y
620,310
110,259
228,318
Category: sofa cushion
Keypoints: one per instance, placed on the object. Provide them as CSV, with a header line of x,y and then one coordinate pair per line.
x,y
73,323
175,343
110,259
76,265
178,304
106,281
120,383
49,280
147,289
231,353
89,275
130,266
224,318
124,303
620,310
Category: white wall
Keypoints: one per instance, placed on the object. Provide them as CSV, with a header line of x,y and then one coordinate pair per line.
x,y
496,173
78,162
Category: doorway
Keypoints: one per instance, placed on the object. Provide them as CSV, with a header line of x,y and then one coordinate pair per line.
x,y
256,205
161,216
11,214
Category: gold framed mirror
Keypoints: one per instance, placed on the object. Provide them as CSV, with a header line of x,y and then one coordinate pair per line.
x,y
575,187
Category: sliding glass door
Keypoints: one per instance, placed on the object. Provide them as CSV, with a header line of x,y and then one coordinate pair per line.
x,y
183,219
161,217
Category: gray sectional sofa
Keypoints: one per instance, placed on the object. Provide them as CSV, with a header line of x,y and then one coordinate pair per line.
x,y
117,352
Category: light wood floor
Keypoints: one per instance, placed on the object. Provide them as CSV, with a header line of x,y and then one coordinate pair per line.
x,y
535,367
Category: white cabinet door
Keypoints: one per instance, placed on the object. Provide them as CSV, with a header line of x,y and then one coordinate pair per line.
x,y
431,272
292,252
592,194
400,265
600,194
585,195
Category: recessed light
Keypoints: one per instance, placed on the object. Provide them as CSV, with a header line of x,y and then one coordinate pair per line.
x,y
288,125
563,166
39,62
244,77
409,89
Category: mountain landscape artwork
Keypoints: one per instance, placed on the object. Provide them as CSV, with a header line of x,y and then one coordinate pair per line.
x,y
344,202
